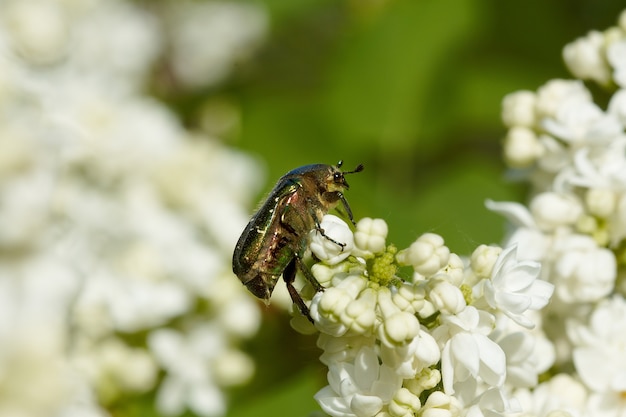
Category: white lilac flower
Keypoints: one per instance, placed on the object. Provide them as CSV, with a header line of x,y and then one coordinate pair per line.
x,y
411,298
468,326
599,349
467,352
328,307
455,271
427,254
518,109
491,403
439,404
115,369
559,393
122,218
529,352
445,297
522,147
326,273
582,122
552,95
615,55
426,380
617,220
404,403
369,319
600,202
585,59
521,369
210,38
574,263
575,228
513,287
411,359
189,359
360,387
38,30
398,328
617,106
552,210
582,272
341,349
531,242
601,170
370,235
483,260
133,43
335,244
35,373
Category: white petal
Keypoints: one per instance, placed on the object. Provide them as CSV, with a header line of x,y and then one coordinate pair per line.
x,y
493,359
512,302
332,404
390,381
366,367
593,368
365,405
465,351
172,396
516,213
207,400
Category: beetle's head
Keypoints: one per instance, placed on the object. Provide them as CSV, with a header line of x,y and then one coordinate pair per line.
x,y
336,180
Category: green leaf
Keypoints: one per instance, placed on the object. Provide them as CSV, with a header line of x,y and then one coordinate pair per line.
x,y
293,398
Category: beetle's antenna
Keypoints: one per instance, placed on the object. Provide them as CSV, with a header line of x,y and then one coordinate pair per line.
x,y
340,163
359,168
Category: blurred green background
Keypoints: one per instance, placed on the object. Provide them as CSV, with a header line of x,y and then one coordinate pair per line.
x,y
409,88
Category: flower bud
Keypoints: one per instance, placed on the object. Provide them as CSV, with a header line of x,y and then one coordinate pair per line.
x,y
483,259
404,404
521,147
233,367
617,105
552,210
427,254
325,273
409,298
427,379
370,235
600,202
398,327
555,92
585,58
327,307
584,272
455,270
360,314
439,404
518,109
446,297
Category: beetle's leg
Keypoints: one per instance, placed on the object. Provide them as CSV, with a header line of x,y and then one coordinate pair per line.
x,y
347,207
309,275
318,227
289,275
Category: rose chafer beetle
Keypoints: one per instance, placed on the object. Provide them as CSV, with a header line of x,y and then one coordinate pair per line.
x,y
275,240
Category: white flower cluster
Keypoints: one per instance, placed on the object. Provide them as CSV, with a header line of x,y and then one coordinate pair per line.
x,y
453,339
573,152
116,223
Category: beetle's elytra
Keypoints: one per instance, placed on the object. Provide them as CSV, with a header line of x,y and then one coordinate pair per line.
x,y
275,239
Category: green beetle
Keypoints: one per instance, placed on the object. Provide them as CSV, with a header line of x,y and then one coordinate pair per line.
x,y
274,241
